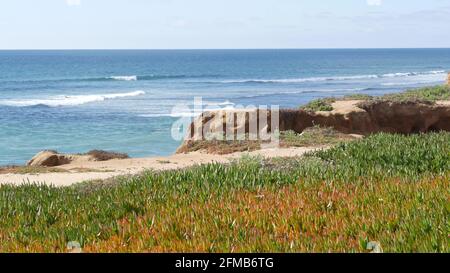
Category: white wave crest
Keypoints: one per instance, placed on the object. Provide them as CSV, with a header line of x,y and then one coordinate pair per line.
x,y
337,78
175,115
300,80
408,74
124,78
69,100
208,106
224,103
409,83
258,95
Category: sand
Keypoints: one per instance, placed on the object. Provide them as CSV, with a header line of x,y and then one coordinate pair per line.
x,y
343,107
119,167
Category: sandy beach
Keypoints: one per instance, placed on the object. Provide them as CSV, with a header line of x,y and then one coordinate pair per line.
x,y
76,171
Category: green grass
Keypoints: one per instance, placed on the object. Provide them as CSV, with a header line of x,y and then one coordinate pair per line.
x,y
387,188
319,105
357,97
427,95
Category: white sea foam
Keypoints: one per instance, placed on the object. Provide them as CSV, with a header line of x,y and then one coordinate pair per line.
x,y
409,74
175,115
300,80
208,106
418,78
191,114
306,91
124,78
337,78
69,100
223,103
408,83
397,83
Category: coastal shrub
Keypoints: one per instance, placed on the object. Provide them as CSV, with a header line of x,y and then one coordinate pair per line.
x,y
326,104
100,155
319,105
387,188
386,155
310,137
313,136
29,170
220,147
357,97
426,95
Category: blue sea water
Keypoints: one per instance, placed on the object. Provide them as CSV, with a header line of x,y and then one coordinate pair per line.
x,y
75,101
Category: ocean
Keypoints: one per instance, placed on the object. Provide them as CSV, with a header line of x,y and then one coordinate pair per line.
x,y
76,101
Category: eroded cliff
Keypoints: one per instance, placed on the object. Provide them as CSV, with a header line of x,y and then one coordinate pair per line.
x,y
347,116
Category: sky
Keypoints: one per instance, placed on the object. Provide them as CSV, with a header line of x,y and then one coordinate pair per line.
x,y
217,24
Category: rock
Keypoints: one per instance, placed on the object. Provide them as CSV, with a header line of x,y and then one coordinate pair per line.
x,y
49,159
54,159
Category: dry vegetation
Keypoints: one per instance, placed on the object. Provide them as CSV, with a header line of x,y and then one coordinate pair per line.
x,y
29,170
100,155
312,137
40,170
220,147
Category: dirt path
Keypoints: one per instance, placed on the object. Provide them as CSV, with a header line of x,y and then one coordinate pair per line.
x,y
76,172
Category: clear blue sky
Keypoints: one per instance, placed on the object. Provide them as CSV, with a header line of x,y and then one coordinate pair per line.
x,y
116,24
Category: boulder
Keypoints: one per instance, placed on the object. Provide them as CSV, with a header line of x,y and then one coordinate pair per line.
x,y
48,159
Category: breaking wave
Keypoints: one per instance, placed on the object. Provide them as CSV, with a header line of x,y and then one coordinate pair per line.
x,y
115,78
207,106
262,95
72,100
334,78
124,78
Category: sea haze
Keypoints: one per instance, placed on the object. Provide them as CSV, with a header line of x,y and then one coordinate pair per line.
x,y
75,101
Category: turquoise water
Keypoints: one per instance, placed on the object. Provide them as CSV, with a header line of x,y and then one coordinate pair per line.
x,y
75,101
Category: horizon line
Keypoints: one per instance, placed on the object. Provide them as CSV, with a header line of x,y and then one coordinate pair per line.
x,y
174,49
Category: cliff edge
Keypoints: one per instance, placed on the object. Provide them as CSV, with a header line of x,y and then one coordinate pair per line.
x,y
347,116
